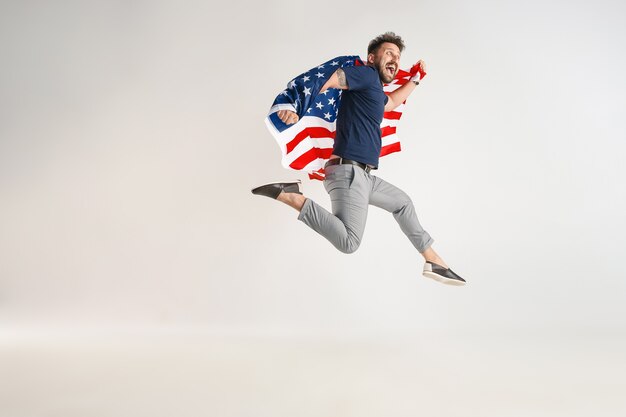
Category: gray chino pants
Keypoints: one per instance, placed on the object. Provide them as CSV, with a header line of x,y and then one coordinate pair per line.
x,y
351,190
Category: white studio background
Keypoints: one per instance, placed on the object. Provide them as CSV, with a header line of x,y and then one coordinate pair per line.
x,y
131,134
140,277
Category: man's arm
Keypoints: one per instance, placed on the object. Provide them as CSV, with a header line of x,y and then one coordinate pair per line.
x,y
337,80
398,96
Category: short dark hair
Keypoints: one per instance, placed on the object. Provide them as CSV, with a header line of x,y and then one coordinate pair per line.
x,y
385,37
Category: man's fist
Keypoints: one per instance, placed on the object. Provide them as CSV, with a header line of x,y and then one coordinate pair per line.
x,y
288,117
422,66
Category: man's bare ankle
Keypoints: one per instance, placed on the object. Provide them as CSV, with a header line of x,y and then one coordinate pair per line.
x,y
282,197
440,262
436,260
292,199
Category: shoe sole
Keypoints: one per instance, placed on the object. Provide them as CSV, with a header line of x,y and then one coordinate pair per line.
x,y
277,182
443,280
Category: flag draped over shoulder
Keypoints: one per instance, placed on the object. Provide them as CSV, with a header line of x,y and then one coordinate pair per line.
x,y
307,144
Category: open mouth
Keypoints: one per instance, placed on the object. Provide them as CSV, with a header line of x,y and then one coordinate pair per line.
x,y
391,69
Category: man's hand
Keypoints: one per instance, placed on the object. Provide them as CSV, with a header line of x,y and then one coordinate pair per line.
x,y
288,117
421,71
422,66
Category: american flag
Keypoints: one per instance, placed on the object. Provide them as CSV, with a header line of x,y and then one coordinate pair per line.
x,y
308,144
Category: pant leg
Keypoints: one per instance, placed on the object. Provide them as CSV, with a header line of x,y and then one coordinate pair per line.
x,y
394,200
348,189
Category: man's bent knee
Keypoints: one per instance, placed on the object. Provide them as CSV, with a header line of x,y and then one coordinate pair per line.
x,y
349,246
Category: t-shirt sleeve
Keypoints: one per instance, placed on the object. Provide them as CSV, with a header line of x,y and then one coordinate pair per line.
x,y
361,77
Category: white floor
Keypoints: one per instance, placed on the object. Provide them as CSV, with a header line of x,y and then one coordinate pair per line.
x,y
198,374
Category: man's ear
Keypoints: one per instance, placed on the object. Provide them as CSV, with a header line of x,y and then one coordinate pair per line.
x,y
370,58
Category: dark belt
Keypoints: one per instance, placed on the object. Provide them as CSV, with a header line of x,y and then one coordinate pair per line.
x,y
342,161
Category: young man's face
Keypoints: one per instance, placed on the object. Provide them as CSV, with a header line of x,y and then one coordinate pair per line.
x,y
386,60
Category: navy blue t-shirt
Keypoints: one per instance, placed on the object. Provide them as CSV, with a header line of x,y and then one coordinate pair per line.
x,y
360,115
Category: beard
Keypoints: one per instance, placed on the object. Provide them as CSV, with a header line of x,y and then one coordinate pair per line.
x,y
385,76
